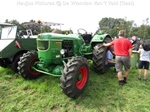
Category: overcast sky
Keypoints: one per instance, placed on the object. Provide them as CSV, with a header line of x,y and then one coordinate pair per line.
x,y
74,14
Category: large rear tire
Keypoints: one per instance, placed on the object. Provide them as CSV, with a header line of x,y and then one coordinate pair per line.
x,y
14,64
25,64
75,77
99,57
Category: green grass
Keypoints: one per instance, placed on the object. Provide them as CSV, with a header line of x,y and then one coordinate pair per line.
x,y
102,94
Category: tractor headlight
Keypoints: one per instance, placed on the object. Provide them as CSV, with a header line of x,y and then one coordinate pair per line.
x,y
62,51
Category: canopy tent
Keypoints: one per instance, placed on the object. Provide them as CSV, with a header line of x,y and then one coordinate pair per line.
x,y
50,23
5,24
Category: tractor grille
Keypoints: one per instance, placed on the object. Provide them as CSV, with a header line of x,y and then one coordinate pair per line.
x,y
42,45
67,44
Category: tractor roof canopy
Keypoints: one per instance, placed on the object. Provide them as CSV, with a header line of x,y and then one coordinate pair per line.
x,y
7,30
50,23
6,24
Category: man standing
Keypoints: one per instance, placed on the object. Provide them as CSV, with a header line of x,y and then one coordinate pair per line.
x,y
123,51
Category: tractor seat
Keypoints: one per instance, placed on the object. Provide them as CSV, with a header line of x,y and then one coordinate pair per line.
x,y
87,38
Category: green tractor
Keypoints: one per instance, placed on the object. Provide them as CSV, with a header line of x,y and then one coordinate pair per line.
x,y
66,56
13,45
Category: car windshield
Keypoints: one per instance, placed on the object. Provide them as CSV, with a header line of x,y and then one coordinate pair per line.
x,y
8,32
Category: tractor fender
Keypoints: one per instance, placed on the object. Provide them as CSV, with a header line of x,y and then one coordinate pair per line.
x,y
18,53
100,38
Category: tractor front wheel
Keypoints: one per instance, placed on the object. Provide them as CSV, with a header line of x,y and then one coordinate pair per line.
x,y
75,77
25,65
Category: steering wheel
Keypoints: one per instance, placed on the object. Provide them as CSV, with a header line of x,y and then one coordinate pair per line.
x,y
82,31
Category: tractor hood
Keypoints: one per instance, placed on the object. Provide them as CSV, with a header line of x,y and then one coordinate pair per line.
x,y
59,36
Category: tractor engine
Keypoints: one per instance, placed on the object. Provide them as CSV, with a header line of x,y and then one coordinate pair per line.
x,y
52,48
67,46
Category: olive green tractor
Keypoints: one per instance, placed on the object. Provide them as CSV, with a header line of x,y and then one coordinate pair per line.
x,y
13,45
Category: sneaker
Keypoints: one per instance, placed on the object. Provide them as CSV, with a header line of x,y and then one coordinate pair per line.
x,y
125,80
139,78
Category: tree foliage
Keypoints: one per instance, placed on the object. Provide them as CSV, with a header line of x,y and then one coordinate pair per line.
x,y
107,25
112,26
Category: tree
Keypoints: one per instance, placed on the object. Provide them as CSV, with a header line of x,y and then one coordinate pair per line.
x,y
6,21
46,29
112,25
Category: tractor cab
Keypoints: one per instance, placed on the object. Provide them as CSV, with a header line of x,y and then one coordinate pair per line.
x,y
7,34
7,31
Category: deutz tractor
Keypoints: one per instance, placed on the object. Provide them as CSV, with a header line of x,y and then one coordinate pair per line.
x,y
67,57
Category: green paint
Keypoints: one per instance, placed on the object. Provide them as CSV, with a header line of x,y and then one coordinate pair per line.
x,y
49,45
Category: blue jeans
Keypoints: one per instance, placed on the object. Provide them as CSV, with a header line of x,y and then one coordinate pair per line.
x,y
110,65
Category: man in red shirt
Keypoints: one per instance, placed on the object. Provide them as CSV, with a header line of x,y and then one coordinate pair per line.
x,y
123,51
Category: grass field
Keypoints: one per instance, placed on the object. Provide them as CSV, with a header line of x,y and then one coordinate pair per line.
x,y
102,94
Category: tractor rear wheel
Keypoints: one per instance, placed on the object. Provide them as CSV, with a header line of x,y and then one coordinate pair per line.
x,y
99,57
75,77
25,65
14,64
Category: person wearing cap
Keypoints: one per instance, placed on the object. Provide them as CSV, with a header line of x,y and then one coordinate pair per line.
x,y
123,52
